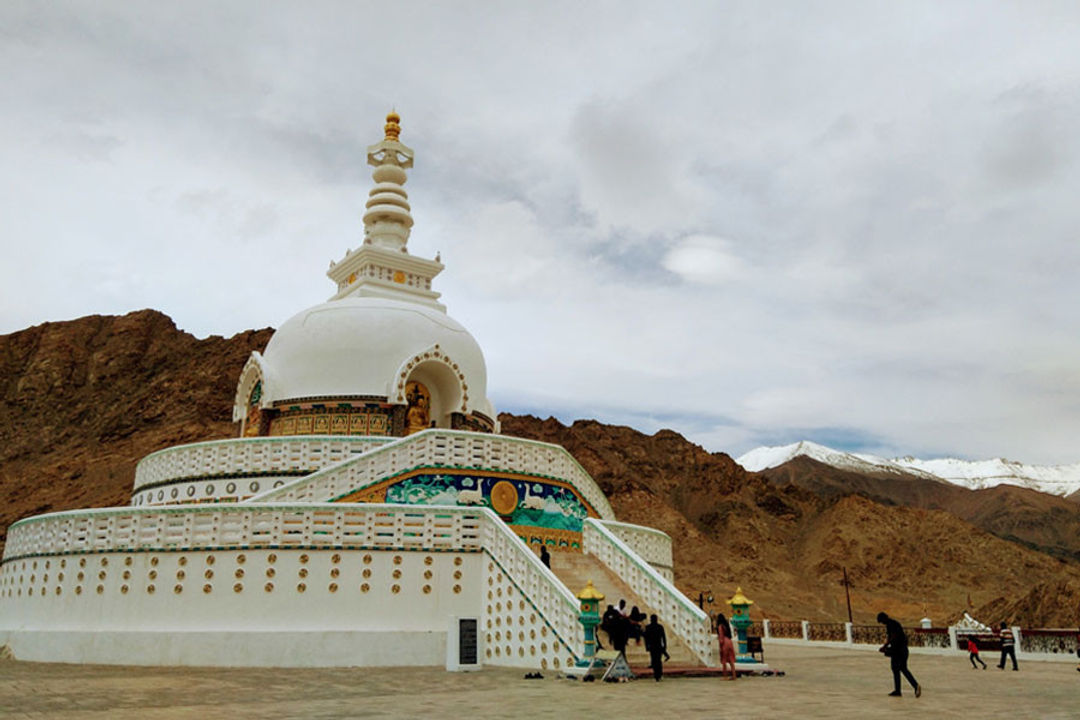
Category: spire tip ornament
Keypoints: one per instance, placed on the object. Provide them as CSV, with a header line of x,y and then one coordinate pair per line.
x,y
393,126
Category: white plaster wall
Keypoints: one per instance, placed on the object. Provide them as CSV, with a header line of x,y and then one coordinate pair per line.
x,y
241,590
256,648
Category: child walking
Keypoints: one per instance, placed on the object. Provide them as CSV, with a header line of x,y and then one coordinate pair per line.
x,y
973,654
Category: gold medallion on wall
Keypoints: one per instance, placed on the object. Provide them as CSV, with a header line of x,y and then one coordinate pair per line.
x,y
504,497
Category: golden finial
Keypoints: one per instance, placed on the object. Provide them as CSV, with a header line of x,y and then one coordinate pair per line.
x,y
393,129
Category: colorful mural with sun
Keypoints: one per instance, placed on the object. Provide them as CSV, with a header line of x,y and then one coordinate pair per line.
x,y
539,509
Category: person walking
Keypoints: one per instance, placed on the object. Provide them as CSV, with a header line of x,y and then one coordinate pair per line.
x,y
973,654
656,645
896,649
545,556
1008,646
727,644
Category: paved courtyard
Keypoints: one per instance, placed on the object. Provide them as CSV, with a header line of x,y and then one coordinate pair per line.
x,y
820,683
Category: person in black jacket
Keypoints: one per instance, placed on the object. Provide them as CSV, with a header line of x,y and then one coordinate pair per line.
x,y
656,644
895,648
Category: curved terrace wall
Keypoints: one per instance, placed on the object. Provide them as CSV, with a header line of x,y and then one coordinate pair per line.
x,y
256,584
237,468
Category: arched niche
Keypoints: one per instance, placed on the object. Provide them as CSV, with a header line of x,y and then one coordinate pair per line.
x,y
443,381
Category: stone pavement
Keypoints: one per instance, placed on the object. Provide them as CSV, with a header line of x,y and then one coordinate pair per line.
x,y
820,683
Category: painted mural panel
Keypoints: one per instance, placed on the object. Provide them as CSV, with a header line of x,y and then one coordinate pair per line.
x,y
519,501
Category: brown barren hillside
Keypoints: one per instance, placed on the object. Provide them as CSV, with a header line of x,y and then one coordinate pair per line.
x,y
82,401
1034,519
787,546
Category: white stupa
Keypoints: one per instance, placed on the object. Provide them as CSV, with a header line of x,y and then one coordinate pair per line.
x,y
368,514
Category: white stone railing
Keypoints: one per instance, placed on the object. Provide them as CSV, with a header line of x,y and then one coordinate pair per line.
x,y
443,448
249,456
554,603
653,545
681,616
1031,644
244,526
513,571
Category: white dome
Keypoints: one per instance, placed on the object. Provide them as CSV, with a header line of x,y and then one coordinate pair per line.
x,y
362,345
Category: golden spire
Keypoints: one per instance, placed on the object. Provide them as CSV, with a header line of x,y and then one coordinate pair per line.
x,y
393,129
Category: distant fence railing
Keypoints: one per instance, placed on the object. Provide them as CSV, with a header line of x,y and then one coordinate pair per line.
x,y
1035,643
828,632
783,629
868,634
1050,641
929,638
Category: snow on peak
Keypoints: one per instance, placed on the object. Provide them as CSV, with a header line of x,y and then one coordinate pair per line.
x,y
768,457
975,474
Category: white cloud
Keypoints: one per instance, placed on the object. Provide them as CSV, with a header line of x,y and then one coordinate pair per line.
x,y
703,259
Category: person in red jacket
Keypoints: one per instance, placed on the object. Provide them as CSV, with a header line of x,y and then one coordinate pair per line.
x,y
973,654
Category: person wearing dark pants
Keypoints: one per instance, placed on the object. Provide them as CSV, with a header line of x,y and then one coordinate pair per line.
x,y
973,654
656,644
896,649
1008,647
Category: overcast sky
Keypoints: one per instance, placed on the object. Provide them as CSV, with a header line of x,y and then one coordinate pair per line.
x,y
753,223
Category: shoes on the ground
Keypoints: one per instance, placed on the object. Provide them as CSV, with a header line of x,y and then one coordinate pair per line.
x,y
918,691
894,693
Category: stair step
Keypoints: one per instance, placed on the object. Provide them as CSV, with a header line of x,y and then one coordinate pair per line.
x,y
576,570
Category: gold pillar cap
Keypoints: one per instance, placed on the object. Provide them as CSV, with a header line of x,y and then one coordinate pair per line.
x,y
739,598
590,593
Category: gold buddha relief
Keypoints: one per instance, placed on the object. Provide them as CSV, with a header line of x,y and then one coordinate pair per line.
x,y
418,416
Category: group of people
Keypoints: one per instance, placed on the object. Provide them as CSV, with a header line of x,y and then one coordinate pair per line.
x,y
622,627
896,649
1008,649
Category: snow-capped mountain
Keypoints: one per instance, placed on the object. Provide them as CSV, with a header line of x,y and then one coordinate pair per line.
x,y
1059,480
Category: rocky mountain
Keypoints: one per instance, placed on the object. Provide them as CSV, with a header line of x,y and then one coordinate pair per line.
x,y
1061,480
789,543
82,401
1036,520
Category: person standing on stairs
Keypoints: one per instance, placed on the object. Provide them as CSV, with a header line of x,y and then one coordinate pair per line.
x,y
545,556
656,644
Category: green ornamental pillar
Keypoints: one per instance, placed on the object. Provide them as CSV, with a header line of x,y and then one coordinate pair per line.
x,y
740,620
589,618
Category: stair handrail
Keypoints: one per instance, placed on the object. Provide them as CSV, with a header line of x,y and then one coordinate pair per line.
x,y
682,616
322,485
556,605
